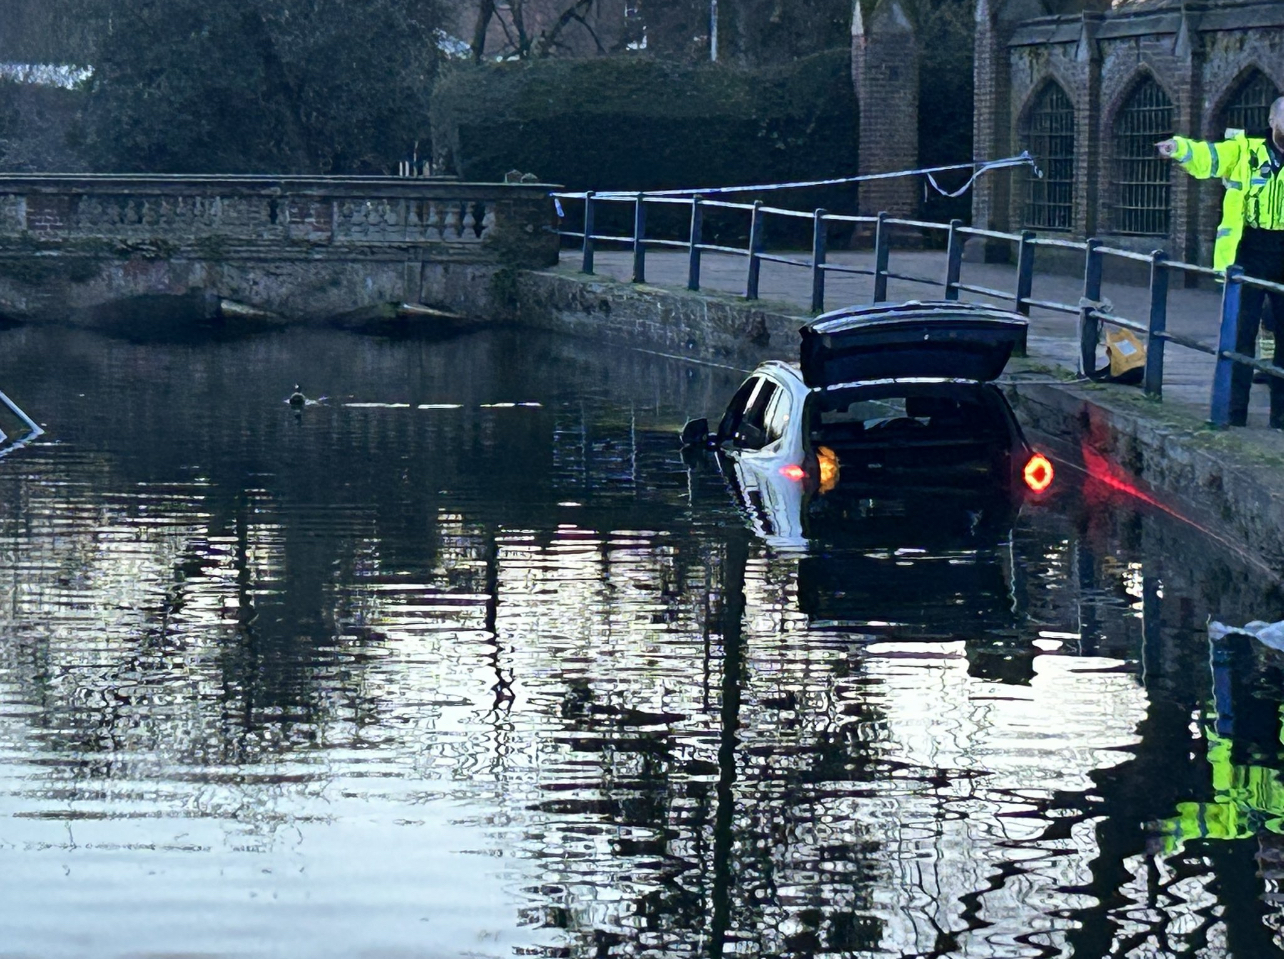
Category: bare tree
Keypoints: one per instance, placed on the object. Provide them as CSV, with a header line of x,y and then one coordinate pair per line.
x,y
534,29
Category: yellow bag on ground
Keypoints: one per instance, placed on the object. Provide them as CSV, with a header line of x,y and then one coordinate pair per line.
x,y
1125,351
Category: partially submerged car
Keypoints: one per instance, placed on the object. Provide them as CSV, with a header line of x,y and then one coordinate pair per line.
x,y
888,404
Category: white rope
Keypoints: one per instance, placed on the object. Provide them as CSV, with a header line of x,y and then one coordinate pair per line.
x,y
978,167
1024,159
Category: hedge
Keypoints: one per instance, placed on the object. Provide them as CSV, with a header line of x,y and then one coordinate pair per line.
x,y
636,123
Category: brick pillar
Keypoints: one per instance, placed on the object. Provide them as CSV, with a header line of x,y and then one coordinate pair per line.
x,y
885,74
1088,171
1188,50
991,117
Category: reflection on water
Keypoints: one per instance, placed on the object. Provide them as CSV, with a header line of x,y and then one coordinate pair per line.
x,y
465,661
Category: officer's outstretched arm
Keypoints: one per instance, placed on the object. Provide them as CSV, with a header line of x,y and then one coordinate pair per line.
x,y
1201,158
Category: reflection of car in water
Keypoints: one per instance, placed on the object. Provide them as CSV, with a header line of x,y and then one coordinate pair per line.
x,y
892,459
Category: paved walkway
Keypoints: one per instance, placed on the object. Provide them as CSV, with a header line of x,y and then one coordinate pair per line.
x,y
1053,336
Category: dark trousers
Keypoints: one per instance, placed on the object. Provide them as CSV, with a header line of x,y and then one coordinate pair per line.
x,y
1261,254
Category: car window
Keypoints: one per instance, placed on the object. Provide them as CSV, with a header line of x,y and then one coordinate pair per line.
x,y
776,419
866,413
736,408
751,433
930,412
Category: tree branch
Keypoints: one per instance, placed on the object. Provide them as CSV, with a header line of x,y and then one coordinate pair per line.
x,y
484,13
592,33
508,35
548,38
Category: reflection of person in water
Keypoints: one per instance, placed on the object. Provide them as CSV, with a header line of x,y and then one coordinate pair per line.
x,y
1241,732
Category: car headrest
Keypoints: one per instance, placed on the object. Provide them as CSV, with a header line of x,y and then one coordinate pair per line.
x,y
930,406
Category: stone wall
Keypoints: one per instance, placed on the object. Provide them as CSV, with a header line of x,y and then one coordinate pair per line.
x,y
707,327
1223,483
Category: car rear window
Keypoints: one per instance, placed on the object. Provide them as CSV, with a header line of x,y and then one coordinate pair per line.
x,y
938,412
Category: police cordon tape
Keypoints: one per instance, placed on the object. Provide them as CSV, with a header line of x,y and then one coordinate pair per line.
x,y
977,166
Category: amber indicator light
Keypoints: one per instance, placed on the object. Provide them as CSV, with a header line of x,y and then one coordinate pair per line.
x,y
1038,473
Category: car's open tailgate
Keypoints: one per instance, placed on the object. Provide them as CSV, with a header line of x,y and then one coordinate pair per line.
x,y
942,339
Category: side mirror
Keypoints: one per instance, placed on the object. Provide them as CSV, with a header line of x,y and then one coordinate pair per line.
x,y
696,433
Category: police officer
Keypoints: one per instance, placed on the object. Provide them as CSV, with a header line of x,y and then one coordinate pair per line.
x,y
1251,234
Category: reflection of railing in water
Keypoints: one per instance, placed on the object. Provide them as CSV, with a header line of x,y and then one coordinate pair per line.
x,y
1091,309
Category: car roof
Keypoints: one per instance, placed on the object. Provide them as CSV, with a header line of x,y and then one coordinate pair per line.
x,y
791,373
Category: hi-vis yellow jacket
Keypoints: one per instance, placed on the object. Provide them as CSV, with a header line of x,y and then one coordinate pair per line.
x,y
1254,191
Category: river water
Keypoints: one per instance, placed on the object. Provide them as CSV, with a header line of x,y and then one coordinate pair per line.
x,y
465,661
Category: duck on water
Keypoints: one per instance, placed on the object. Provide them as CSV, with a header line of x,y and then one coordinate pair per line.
x,y
298,400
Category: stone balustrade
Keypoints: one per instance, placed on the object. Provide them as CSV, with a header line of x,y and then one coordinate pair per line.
x,y
217,232
276,211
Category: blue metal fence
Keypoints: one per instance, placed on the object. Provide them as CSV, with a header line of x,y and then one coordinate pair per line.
x,y
1091,311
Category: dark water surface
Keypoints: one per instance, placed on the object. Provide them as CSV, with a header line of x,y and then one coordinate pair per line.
x,y
446,677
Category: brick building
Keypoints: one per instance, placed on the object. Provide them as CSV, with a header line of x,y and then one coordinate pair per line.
x,y
1089,88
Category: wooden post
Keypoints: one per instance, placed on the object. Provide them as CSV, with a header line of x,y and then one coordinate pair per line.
x,y
1090,326
819,244
1154,382
587,265
693,251
755,247
639,239
1219,413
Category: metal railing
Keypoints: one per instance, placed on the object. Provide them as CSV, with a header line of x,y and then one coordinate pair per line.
x,y
1091,310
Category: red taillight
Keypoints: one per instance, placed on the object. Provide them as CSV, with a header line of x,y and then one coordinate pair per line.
x,y
793,472
1038,473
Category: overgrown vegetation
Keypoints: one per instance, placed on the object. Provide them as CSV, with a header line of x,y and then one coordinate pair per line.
x,y
239,86
318,86
637,123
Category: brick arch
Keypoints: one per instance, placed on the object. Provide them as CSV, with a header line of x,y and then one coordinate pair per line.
x,y
1216,120
1125,92
1139,193
1045,129
1037,90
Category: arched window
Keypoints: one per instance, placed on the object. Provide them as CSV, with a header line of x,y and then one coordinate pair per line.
x,y
1050,202
1250,107
1141,175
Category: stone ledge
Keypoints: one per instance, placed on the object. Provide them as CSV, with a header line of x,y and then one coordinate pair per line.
x,y
1229,483
704,326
